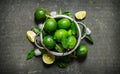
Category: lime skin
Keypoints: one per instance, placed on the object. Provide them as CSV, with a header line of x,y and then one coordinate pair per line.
x,y
59,34
50,25
49,42
64,23
82,50
40,14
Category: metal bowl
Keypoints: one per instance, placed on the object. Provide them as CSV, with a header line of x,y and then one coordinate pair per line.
x,y
68,52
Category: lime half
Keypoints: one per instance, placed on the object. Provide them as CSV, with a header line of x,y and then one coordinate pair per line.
x,y
80,15
31,36
48,58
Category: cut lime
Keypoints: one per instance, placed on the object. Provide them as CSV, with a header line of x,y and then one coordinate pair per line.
x,y
48,58
31,36
80,15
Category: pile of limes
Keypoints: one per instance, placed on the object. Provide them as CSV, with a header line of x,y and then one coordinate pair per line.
x,y
59,35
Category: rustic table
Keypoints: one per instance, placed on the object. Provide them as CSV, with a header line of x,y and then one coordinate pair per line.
x,y
17,16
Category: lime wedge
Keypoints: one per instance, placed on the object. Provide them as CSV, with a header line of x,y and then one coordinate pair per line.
x,y
31,36
80,15
48,58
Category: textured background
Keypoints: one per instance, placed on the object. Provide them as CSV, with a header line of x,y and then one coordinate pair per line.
x,y
17,16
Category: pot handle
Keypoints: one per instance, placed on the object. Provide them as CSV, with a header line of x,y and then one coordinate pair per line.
x,y
87,32
36,38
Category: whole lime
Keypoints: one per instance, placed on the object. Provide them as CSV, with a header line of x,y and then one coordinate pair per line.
x,y
82,50
64,23
40,14
50,25
49,42
59,34
71,42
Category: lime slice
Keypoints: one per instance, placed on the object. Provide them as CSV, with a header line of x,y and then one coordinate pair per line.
x,y
48,58
31,36
80,15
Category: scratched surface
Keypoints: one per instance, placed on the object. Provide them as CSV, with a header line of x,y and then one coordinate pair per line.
x,y
103,17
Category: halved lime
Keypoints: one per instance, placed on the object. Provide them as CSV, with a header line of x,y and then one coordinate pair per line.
x,y
31,36
48,58
80,15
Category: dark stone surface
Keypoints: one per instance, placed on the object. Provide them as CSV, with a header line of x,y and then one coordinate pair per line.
x,y
17,16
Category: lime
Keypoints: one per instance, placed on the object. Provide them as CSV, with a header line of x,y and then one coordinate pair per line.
x,y
64,23
74,28
48,58
40,14
59,34
50,25
31,36
49,42
69,32
80,15
71,42
82,50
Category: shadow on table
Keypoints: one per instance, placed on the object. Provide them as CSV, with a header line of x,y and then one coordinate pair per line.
x,y
81,59
47,65
38,21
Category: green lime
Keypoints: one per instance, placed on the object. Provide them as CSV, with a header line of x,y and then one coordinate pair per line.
x,y
71,42
44,33
50,25
69,32
49,42
59,34
74,28
40,14
64,23
82,50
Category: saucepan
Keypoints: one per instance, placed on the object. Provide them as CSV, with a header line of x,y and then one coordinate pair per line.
x,y
79,38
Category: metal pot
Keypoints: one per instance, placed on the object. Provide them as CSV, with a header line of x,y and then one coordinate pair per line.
x,y
68,52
